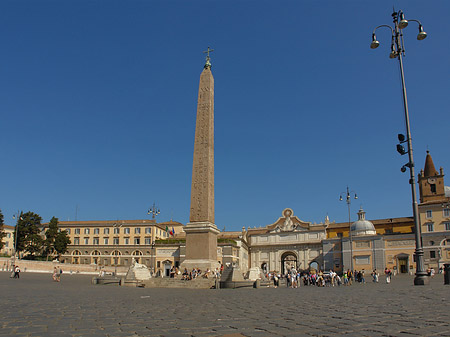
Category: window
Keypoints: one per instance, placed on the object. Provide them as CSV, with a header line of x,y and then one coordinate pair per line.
x,y
432,254
86,231
446,212
137,231
126,231
433,188
106,231
8,235
429,214
388,231
86,241
68,230
148,230
137,241
76,241
116,230
6,244
77,231
96,241
430,227
96,231
447,226
116,241
126,241
148,241
105,241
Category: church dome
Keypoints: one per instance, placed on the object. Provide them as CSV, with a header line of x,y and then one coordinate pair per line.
x,y
362,226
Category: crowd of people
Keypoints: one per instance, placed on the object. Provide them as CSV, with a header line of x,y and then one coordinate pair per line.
x,y
196,273
295,279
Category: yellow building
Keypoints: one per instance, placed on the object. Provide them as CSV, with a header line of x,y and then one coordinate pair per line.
x,y
403,225
116,243
8,240
372,245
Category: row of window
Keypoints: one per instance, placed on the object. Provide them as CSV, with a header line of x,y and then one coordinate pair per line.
x,y
430,226
445,213
115,241
116,230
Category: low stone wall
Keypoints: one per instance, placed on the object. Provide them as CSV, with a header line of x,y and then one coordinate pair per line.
x,y
159,282
47,267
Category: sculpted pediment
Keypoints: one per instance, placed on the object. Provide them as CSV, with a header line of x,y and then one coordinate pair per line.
x,y
288,223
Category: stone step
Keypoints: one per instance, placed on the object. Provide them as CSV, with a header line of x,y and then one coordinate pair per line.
x,y
178,283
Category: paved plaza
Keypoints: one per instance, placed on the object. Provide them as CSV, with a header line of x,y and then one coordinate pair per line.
x,y
34,305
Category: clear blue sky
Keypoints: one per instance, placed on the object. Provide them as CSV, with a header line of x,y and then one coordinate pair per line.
x,y
98,105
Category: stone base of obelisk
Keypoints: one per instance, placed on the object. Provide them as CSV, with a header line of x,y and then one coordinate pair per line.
x,y
201,246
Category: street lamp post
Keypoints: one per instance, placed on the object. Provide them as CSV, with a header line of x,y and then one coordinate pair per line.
x,y
116,247
15,235
348,197
153,259
154,211
398,51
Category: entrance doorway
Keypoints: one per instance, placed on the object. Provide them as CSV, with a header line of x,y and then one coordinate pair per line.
x,y
402,263
314,266
264,268
288,261
167,266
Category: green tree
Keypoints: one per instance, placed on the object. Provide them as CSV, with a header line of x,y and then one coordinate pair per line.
x,y
28,233
2,230
62,240
50,236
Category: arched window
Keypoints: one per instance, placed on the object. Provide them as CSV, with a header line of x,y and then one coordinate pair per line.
x,y
76,252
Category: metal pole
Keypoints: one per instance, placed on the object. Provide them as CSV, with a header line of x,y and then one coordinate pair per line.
x,y
421,276
15,238
350,231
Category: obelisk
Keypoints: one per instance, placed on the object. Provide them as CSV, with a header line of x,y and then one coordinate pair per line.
x,y
201,231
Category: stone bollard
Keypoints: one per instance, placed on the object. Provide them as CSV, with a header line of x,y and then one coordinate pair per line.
x,y
447,273
257,284
94,280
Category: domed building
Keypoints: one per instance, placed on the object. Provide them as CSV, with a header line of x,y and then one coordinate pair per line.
x,y
362,226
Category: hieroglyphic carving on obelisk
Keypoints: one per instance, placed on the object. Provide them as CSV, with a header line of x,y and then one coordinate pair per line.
x,y
202,189
201,231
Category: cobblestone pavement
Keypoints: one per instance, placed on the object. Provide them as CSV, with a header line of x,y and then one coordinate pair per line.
x,y
34,305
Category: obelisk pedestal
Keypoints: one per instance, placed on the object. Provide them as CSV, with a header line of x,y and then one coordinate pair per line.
x,y
201,231
201,246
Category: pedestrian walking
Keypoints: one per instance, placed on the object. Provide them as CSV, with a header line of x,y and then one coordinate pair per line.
x,y
388,274
275,280
54,275
375,276
17,272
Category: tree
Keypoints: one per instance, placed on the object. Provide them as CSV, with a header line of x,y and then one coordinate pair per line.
x,y
50,236
28,233
2,230
62,240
